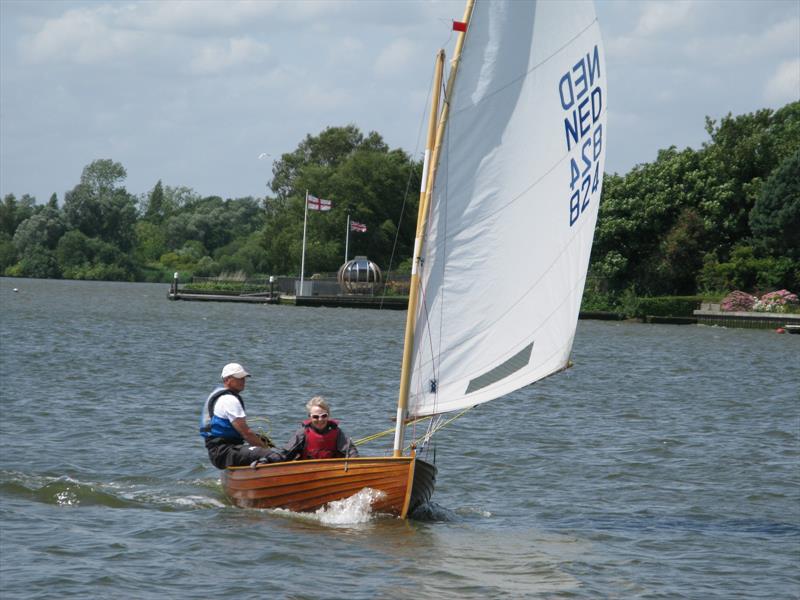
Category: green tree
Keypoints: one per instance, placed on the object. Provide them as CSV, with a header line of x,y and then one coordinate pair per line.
x,y
82,257
213,222
176,198
682,218
325,151
187,258
100,207
13,212
282,236
637,214
363,178
103,176
681,255
39,262
745,270
741,154
151,242
41,230
8,253
155,209
775,218
74,250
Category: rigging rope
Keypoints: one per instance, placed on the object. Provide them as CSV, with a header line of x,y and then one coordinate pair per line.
x,y
264,435
436,425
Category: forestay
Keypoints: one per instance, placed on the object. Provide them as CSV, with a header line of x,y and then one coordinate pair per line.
x,y
514,204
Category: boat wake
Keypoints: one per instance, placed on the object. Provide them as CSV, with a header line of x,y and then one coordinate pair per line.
x,y
350,511
355,509
66,491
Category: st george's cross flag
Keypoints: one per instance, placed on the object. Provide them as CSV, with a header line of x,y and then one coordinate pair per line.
x,y
356,226
315,203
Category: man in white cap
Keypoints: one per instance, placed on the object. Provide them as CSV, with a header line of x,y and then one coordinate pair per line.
x,y
229,440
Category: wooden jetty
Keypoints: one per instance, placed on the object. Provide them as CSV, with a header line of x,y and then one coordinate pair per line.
x,y
266,298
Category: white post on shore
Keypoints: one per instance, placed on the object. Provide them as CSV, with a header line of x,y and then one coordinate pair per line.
x,y
303,260
347,238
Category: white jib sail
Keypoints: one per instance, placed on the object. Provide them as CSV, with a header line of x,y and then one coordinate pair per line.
x,y
514,204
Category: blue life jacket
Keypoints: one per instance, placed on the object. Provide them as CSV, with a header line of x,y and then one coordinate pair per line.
x,y
213,426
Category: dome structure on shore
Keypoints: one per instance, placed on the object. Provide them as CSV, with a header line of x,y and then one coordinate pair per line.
x,y
359,276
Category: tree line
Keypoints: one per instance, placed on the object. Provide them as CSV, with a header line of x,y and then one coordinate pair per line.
x,y
723,217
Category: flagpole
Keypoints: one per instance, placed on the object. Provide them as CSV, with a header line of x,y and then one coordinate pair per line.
x,y
347,238
303,260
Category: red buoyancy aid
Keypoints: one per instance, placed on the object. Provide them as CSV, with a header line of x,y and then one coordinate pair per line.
x,y
320,445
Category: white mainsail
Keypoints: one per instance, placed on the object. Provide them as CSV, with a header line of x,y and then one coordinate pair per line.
x,y
514,204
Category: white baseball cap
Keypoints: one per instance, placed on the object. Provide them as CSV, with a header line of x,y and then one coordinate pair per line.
x,y
234,370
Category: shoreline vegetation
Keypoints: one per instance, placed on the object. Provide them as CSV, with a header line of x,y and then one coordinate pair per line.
x,y
688,228
629,307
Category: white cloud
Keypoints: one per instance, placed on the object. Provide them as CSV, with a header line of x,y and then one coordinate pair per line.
x,y
197,17
81,36
719,49
658,17
784,85
215,57
81,79
397,55
200,16
783,35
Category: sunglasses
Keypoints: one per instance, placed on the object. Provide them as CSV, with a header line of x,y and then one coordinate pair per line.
x,y
320,416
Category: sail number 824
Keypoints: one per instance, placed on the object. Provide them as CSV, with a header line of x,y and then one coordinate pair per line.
x,y
583,179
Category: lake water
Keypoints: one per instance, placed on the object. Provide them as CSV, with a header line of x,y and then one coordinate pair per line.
x,y
664,464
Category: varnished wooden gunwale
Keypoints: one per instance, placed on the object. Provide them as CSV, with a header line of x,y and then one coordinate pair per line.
x,y
260,490
324,473
310,484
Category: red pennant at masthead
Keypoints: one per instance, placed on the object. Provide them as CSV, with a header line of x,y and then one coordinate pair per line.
x,y
459,26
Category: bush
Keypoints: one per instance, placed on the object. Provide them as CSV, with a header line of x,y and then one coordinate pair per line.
x,y
155,274
40,263
780,301
100,272
8,253
206,267
738,301
747,271
668,306
594,300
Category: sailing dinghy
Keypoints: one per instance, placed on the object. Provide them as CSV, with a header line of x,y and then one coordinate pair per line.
x,y
512,180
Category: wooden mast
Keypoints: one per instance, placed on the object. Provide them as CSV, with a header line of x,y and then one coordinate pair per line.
x,y
428,178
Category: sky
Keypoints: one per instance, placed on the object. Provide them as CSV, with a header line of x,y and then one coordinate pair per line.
x,y
206,94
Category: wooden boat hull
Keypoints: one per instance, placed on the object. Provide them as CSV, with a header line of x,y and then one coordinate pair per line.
x,y
307,485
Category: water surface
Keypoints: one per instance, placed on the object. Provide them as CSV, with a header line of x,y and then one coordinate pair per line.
x,y
664,464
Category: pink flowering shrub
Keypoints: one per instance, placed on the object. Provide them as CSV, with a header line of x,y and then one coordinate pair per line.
x,y
775,301
737,302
